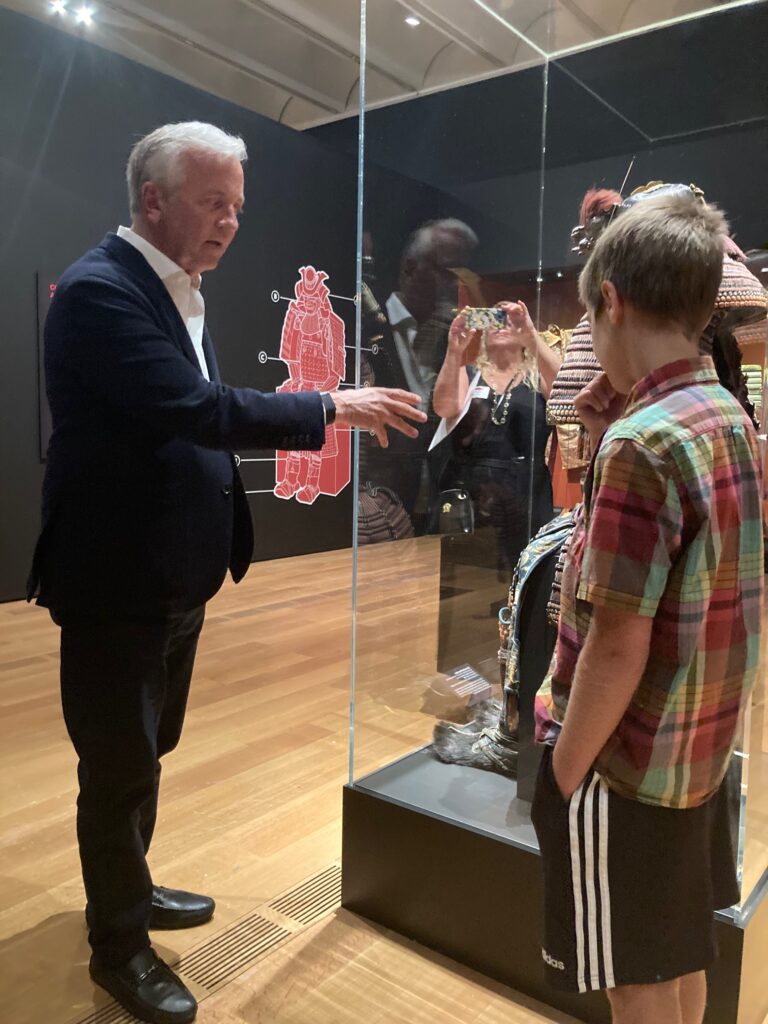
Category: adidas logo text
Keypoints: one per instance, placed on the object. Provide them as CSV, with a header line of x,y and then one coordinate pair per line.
x,y
557,964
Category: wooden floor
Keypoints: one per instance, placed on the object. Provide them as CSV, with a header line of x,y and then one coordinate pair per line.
x,y
251,801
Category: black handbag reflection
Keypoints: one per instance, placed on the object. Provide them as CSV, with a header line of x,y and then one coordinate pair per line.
x,y
456,513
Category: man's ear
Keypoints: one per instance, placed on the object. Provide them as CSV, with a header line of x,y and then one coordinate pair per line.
x,y
613,304
407,267
152,202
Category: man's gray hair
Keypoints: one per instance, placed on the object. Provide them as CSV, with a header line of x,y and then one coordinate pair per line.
x,y
154,157
422,241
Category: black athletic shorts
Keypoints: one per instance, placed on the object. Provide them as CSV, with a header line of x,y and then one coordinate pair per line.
x,y
630,890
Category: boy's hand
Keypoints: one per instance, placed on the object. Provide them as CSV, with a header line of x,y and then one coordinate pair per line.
x,y
568,780
598,406
608,672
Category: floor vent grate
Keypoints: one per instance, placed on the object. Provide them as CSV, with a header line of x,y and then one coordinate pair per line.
x,y
214,963
313,898
109,1014
231,952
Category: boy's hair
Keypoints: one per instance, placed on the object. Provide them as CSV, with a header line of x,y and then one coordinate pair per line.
x,y
665,257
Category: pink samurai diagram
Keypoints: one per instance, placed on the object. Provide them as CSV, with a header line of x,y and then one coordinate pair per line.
x,y
312,346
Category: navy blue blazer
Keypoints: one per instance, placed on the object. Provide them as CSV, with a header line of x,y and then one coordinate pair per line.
x,y
143,507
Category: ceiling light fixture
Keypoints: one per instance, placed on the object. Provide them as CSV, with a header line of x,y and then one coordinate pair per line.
x,y
413,21
58,7
84,16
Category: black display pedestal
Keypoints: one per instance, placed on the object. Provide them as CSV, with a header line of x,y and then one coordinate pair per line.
x,y
469,885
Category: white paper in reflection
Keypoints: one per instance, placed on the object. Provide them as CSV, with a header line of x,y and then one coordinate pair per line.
x,y
475,390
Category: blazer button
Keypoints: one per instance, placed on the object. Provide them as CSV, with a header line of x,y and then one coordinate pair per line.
x,y
226,491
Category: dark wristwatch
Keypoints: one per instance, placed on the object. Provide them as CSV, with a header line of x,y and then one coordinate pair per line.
x,y
329,408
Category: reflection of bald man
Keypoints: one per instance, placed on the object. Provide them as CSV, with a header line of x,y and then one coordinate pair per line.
x,y
419,315
422,308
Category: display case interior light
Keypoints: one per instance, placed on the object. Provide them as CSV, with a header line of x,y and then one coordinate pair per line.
x,y
58,7
84,15
413,21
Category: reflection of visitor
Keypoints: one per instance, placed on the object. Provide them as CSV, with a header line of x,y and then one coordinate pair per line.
x,y
497,448
411,335
421,310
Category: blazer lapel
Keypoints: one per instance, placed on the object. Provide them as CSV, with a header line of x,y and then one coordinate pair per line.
x,y
132,260
210,356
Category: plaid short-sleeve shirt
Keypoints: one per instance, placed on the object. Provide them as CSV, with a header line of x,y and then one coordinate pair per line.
x,y
671,529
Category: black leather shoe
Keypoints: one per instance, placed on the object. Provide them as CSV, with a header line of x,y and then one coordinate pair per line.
x,y
174,908
148,988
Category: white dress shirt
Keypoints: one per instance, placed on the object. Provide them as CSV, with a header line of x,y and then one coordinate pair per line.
x,y
183,290
404,330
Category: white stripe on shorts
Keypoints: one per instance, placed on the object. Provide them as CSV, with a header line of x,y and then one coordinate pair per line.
x,y
573,828
587,876
605,894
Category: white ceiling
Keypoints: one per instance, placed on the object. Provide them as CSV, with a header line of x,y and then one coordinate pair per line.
x,y
297,61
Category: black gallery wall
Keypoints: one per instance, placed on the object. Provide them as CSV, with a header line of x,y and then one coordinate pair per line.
x,y
69,113
688,103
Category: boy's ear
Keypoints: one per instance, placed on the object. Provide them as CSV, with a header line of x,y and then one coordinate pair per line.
x,y
613,304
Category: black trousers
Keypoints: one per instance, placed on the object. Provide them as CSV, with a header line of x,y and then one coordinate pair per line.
x,y
124,687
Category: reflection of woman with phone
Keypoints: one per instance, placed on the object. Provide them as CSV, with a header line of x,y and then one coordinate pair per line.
x,y
498,446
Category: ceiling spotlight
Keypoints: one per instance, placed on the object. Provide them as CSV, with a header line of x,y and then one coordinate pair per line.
x,y
84,16
413,21
58,7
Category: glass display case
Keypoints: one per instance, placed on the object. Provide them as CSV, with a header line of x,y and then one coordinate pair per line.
x,y
473,195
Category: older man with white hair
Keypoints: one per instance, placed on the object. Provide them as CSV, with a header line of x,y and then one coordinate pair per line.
x,y
143,514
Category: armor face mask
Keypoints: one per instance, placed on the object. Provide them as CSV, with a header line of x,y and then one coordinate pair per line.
x,y
585,235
